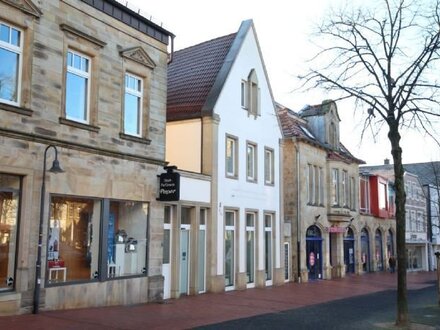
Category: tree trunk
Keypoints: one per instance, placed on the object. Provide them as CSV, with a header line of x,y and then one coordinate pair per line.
x,y
402,299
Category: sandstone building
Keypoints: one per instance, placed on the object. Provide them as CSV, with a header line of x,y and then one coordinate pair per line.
x,y
83,82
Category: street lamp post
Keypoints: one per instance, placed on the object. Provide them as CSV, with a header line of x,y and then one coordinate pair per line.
x,y
54,169
437,254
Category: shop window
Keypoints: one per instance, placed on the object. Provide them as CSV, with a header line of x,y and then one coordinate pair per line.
x,y
75,244
10,187
10,59
127,238
73,239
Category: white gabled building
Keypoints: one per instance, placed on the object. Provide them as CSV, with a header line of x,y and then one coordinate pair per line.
x,y
221,122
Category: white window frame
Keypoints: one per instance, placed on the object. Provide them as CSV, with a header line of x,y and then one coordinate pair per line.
x,y
18,50
269,164
234,156
251,168
244,94
335,187
139,95
84,74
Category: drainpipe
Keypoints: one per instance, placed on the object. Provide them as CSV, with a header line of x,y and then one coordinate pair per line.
x,y
298,214
170,59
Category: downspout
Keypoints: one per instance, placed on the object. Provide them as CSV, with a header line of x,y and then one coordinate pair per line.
x,y
298,215
170,58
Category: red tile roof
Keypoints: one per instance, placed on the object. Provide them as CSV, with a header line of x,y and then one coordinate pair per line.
x,y
293,125
192,74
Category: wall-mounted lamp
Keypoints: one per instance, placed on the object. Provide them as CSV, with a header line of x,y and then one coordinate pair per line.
x,y
54,169
317,217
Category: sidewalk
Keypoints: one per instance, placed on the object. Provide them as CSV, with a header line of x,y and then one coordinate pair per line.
x,y
209,308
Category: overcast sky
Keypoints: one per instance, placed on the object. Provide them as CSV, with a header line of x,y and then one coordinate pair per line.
x,y
283,30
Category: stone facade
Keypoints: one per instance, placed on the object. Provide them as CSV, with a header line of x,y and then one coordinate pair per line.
x,y
99,160
322,222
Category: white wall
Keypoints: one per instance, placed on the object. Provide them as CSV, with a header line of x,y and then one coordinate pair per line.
x,y
263,131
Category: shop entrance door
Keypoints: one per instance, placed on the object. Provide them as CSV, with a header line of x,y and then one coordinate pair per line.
x,y
314,252
184,259
349,251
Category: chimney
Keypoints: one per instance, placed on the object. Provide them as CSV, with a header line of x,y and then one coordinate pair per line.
x,y
386,161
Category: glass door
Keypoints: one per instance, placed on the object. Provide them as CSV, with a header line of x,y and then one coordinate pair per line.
x,y
250,249
268,249
229,249
202,253
166,262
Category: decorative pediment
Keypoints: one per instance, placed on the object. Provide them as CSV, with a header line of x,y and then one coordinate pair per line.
x,y
139,55
26,6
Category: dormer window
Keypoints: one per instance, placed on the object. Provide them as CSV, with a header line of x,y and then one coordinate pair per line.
x,y
250,94
333,135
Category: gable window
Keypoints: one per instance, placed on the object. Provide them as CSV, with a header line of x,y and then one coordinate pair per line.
x,y
268,166
10,59
133,105
77,87
231,157
251,162
250,94
333,135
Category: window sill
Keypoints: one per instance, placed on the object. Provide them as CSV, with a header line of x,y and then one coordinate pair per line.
x,y
270,184
76,124
16,109
234,177
134,138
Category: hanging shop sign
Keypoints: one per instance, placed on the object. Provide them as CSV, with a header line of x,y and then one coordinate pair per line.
x,y
169,185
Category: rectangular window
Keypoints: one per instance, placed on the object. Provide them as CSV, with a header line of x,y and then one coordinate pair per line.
x,y
10,59
73,239
133,105
268,166
321,186
244,93
75,244
129,255
344,184
10,188
352,194
335,187
316,185
364,192
251,162
231,157
382,196
311,183
77,87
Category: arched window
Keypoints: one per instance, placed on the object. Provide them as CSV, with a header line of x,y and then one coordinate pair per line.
x,y
250,94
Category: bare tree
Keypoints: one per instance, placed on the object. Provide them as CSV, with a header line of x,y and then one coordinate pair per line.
x,y
385,58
